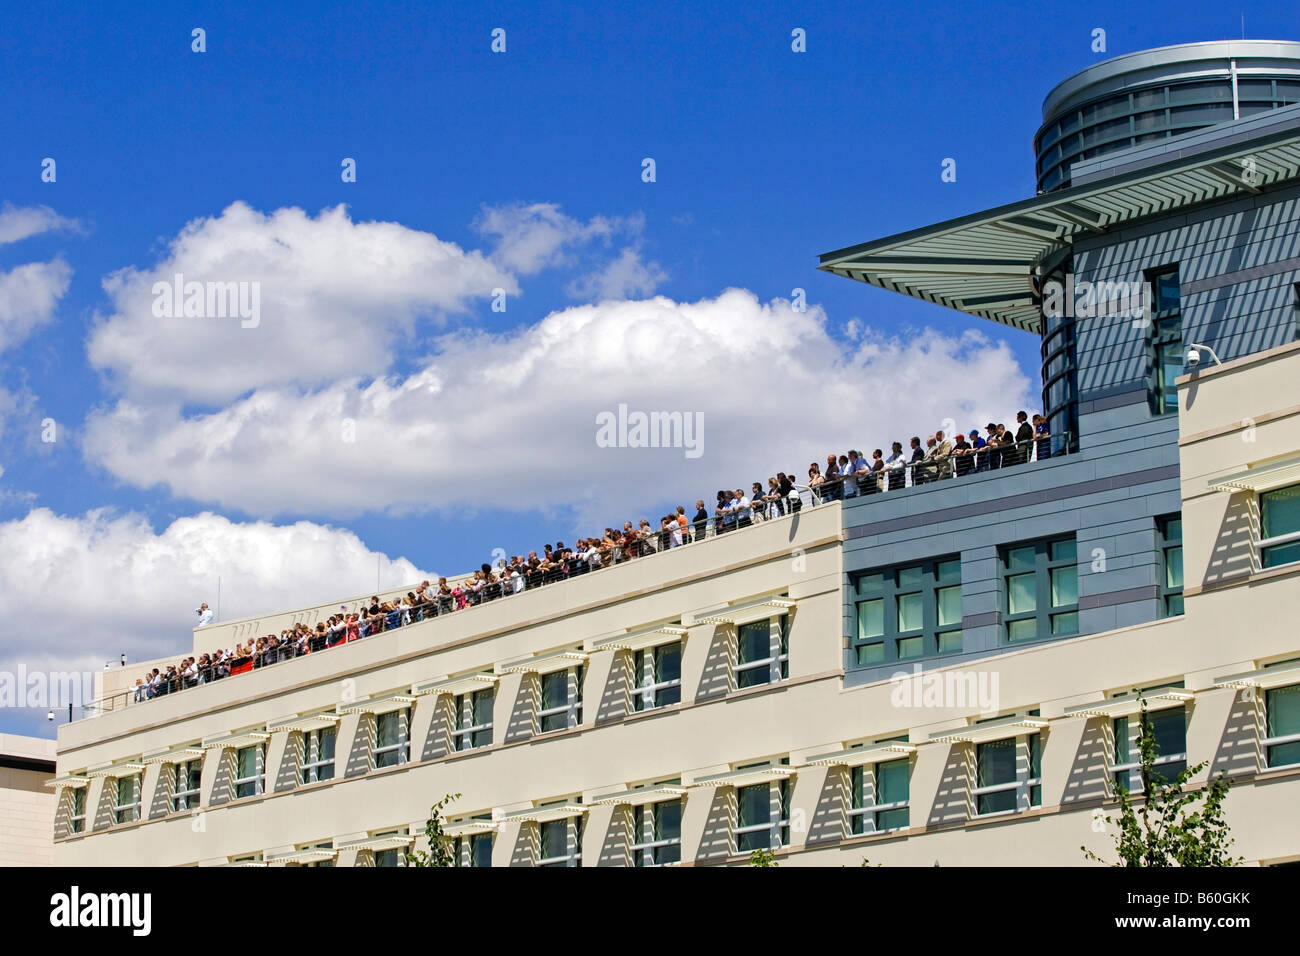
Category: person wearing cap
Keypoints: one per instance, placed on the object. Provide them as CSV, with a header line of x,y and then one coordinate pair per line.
x,y
977,451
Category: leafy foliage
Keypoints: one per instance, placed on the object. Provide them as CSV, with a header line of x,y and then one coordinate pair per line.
x,y
1168,829
440,846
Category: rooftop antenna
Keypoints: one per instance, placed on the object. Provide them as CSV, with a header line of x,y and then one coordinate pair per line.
x,y
1243,24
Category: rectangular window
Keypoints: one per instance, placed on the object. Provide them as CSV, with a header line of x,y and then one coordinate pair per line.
x,y
657,833
185,787
388,858
757,660
318,754
1040,584
126,806
1008,775
561,704
474,719
392,738
909,612
1169,727
473,850
880,794
1282,713
1280,526
1164,340
77,812
1171,565
554,848
763,816
657,676
250,771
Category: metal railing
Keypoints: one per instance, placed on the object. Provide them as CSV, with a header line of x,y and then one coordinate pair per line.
x,y
470,593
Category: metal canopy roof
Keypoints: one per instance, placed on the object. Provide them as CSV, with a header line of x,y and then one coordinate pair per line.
x,y
1265,678
1126,705
993,730
1277,474
981,264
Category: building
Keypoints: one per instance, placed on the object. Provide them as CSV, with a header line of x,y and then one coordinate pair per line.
x,y
26,804
948,670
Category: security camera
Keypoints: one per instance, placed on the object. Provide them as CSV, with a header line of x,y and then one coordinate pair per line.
x,y
1193,357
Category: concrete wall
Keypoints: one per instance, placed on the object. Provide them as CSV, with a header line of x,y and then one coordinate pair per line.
x,y
26,804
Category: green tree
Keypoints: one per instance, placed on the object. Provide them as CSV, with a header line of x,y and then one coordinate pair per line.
x,y
763,858
440,845
1168,829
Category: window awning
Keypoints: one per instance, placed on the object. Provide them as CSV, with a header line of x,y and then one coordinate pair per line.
x,y
245,863
994,730
71,780
746,613
312,855
173,755
639,640
1129,704
861,756
305,723
1279,474
469,828
455,686
746,777
376,844
116,770
1265,678
248,738
377,705
643,795
545,664
980,264
546,814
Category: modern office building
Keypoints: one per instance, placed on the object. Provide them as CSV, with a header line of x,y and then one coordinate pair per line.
x,y
947,670
26,803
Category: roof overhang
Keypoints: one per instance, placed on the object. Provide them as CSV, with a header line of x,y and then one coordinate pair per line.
x,y
174,755
981,264
543,664
546,814
1260,478
315,855
248,738
745,613
993,730
116,770
1129,704
639,640
861,756
642,796
745,778
455,686
377,705
1265,678
469,828
394,841
73,781
305,723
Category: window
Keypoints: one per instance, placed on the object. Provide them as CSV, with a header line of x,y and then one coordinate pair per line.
x,y
909,612
762,652
392,738
561,705
1170,730
657,833
327,863
126,800
185,784
77,810
474,719
389,858
763,816
560,842
1165,341
879,797
1282,720
1280,526
250,770
657,676
1008,775
1171,565
473,850
318,754
1041,589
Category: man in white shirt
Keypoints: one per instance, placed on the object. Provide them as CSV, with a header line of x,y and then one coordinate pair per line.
x,y
744,517
205,615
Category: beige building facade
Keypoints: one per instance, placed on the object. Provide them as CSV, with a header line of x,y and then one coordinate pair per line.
x,y
26,803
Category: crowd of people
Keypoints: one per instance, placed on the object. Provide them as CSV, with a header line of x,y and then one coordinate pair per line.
x,y
845,476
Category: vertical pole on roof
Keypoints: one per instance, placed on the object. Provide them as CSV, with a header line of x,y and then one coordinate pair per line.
x,y
1236,103
218,597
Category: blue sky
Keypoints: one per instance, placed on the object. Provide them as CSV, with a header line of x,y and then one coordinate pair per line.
x,y
764,158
